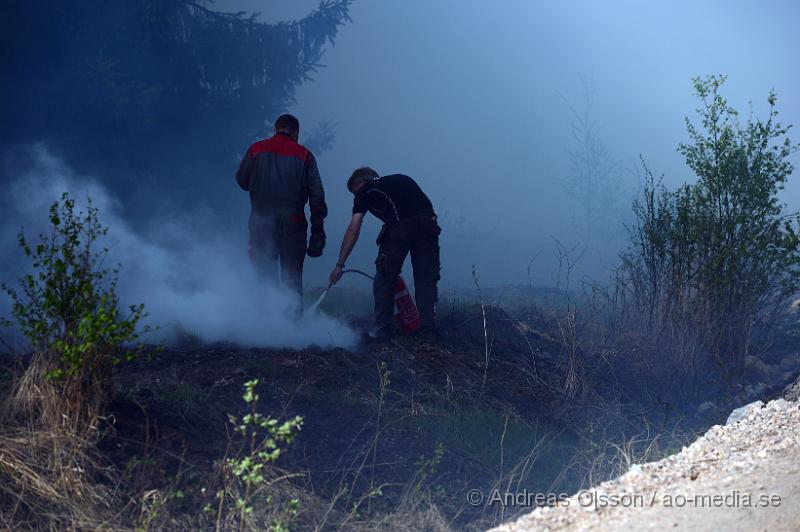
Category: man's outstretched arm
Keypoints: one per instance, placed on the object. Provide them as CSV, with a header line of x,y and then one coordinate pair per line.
x,y
348,242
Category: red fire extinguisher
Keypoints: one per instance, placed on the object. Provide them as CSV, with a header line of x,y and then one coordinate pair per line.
x,y
406,314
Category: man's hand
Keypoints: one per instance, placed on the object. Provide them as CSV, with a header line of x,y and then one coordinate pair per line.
x,y
336,274
316,244
349,240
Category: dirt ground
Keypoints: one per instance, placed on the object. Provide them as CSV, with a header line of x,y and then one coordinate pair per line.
x,y
471,412
171,409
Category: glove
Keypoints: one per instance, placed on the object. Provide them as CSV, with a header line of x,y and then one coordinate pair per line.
x,y
316,244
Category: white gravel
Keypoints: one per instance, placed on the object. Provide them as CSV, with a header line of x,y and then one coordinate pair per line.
x,y
741,476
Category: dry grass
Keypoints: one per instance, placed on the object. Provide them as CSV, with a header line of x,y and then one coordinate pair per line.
x,y
54,480
412,515
72,404
51,474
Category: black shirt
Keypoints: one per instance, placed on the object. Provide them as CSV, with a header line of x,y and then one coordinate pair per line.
x,y
392,198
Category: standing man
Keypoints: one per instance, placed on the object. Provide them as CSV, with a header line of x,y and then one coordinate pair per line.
x,y
409,225
281,177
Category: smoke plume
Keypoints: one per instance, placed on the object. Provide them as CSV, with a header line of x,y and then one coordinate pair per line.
x,y
193,276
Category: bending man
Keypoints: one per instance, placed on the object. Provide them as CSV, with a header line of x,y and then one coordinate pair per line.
x,y
281,176
409,226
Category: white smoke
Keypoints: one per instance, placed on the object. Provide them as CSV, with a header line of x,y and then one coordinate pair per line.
x,y
190,276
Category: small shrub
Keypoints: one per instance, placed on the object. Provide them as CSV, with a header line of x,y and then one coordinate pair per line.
x,y
68,309
246,477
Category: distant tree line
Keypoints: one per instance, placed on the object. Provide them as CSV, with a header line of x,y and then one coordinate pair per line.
x,y
156,90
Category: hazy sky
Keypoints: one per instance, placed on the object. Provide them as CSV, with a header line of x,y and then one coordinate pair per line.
x,y
469,97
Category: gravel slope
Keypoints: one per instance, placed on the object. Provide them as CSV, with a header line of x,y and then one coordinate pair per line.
x,y
742,476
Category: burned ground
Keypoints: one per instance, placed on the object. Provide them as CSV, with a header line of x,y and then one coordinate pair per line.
x,y
173,406
444,422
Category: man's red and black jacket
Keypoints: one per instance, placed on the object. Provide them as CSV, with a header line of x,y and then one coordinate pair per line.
x,y
281,176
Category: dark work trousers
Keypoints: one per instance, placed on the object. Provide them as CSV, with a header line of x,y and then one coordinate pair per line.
x,y
280,239
420,237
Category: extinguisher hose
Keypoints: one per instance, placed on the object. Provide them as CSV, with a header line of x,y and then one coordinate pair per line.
x,y
368,276
365,274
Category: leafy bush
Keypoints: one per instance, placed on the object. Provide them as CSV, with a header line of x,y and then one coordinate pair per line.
x,y
68,309
713,259
247,479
